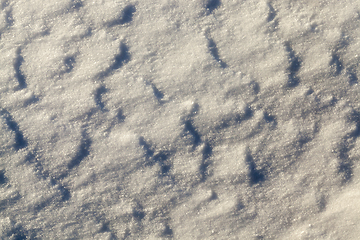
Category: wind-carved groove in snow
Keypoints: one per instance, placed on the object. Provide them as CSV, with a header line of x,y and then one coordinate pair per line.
x,y
18,73
353,79
215,52
7,9
294,66
98,96
64,191
119,60
126,16
8,201
4,4
152,157
106,228
272,12
9,18
76,5
120,116
205,162
211,5
38,168
336,64
235,118
138,212
69,63
3,178
127,234
157,93
168,232
355,117
254,87
346,163
269,118
122,58
45,175
321,203
20,141
82,152
255,176
162,158
16,232
192,135
272,21
149,152
189,129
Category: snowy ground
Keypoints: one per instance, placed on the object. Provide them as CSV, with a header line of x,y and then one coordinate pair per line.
x,y
198,119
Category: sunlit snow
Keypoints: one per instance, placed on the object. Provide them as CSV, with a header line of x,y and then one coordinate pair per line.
x,y
174,119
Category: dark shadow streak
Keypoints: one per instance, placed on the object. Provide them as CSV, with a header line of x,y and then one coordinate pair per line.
x,y
20,142
294,67
126,16
161,158
215,53
168,232
98,96
353,79
121,58
18,73
149,152
211,5
76,4
138,212
158,94
255,175
272,13
205,163
69,63
83,151
44,174
120,116
65,193
346,165
3,178
336,64
192,131
18,233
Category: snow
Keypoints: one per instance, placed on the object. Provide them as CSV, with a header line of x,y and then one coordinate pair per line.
x,y
168,119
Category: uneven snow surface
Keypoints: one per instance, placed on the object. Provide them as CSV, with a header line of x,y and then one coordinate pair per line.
x,y
179,119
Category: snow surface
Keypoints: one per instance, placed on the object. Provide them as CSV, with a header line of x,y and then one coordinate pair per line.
x,y
201,119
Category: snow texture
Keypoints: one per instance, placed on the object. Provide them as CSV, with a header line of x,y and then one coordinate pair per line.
x,y
169,119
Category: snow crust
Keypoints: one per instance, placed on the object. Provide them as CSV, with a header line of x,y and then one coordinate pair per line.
x,y
169,119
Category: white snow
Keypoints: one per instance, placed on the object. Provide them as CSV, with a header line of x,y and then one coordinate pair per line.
x,y
169,119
